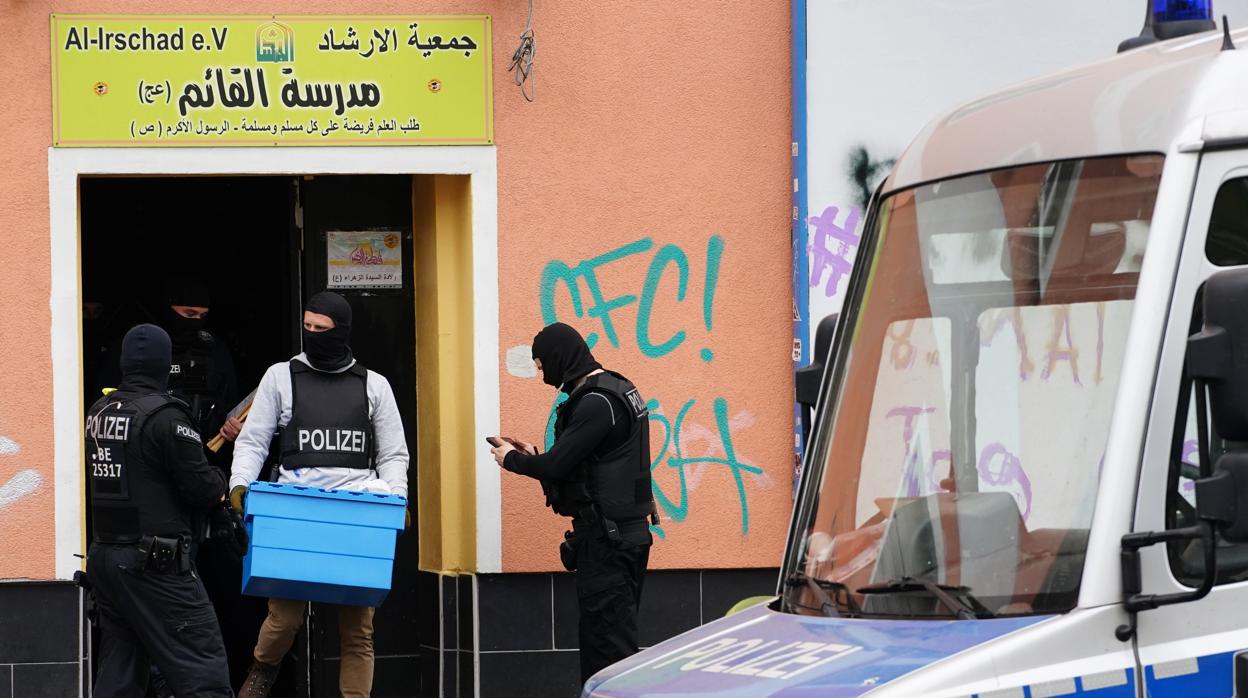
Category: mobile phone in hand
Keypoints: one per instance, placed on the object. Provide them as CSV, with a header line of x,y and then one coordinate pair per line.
x,y
494,441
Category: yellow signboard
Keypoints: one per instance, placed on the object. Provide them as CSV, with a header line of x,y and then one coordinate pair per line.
x,y
121,80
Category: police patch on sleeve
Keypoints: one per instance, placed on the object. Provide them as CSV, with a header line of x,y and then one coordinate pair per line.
x,y
184,431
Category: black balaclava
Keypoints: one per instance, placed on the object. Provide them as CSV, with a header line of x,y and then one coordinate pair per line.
x,y
146,355
564,355
184,290
328,350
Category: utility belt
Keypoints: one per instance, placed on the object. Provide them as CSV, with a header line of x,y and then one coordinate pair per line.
x,y
161,554
590,523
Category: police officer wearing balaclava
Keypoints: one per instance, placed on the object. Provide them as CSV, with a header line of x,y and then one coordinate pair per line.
x,y
202,371
340,429
202,374
151,491
597,472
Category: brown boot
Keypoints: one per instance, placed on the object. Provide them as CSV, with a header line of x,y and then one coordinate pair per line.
x,y
259,681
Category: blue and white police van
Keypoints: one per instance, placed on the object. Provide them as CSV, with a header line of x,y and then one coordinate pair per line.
x,y
1028,476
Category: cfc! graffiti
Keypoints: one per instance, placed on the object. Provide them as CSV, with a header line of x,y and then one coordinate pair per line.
x,y
558,272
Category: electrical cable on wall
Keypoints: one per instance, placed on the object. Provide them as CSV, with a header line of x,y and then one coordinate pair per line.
x,y
522,59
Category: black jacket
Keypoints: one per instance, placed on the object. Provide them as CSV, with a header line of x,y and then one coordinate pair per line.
x,y
171,484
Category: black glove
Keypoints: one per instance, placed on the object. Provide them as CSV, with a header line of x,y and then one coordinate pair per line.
x,y
228,530
240,531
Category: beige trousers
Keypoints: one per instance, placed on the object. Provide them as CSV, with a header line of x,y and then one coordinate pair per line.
x,y
355,631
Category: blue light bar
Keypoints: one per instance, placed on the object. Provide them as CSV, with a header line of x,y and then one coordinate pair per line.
x,y
1181,10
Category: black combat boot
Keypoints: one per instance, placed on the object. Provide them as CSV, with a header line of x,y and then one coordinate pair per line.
x,y
259,681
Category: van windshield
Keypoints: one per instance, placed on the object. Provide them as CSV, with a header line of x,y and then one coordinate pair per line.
x,y
956,464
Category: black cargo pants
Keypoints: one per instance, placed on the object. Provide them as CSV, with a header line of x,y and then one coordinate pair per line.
x,y
609,577
151,618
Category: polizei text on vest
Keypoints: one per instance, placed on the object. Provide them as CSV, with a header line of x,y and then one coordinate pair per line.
x,y
341,440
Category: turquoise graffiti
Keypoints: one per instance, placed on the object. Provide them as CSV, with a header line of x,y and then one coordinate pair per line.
x,y
583,286
560,274
671,455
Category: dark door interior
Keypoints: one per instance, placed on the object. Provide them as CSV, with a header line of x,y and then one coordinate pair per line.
x,y
259,244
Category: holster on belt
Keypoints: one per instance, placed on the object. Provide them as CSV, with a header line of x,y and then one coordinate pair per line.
x,y
165,555
587,522
567,550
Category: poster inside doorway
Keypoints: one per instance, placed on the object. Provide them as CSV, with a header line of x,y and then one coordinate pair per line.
x,y
367,259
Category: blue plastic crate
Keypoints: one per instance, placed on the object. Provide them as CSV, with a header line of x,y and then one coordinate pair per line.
x,y
332,546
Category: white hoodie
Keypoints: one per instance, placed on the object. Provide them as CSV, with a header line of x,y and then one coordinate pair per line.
x,y
272,410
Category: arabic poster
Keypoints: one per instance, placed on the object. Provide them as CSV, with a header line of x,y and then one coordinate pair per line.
x,y
364,259
123,80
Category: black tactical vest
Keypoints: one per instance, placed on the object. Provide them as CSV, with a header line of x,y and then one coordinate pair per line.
x,y
191,377
116,464
617,483
329,423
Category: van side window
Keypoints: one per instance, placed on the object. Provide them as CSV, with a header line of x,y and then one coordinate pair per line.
x,y
1186,557
1227,242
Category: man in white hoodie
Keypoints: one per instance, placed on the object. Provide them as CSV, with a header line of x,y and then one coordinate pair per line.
x,y
339,429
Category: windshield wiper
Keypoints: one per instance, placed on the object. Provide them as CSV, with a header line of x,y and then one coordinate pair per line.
x,y
820,588
970,609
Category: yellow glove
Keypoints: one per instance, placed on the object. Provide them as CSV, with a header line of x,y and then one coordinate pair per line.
x,y
236,498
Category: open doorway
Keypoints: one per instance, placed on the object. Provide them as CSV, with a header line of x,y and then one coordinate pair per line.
x,y
259,245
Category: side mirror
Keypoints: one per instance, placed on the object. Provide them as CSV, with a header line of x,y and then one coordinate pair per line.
x,y
1218,354
808,379
1217,360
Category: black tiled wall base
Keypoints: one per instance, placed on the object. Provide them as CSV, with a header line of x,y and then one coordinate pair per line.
x,y
40,626
45,680
446,660
528,622
522,643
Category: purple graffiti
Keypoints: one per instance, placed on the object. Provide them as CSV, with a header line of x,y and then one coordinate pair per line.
x,y
832,247
902,353
1060,345
1014,318
913,480
1191,452
998,467
1191,456
910,414
1069,354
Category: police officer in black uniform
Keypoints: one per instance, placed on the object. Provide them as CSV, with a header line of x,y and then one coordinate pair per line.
x,y
201,373
598,474
151,493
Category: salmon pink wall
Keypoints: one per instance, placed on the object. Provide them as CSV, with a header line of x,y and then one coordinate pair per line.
x,y
665,129
659,138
